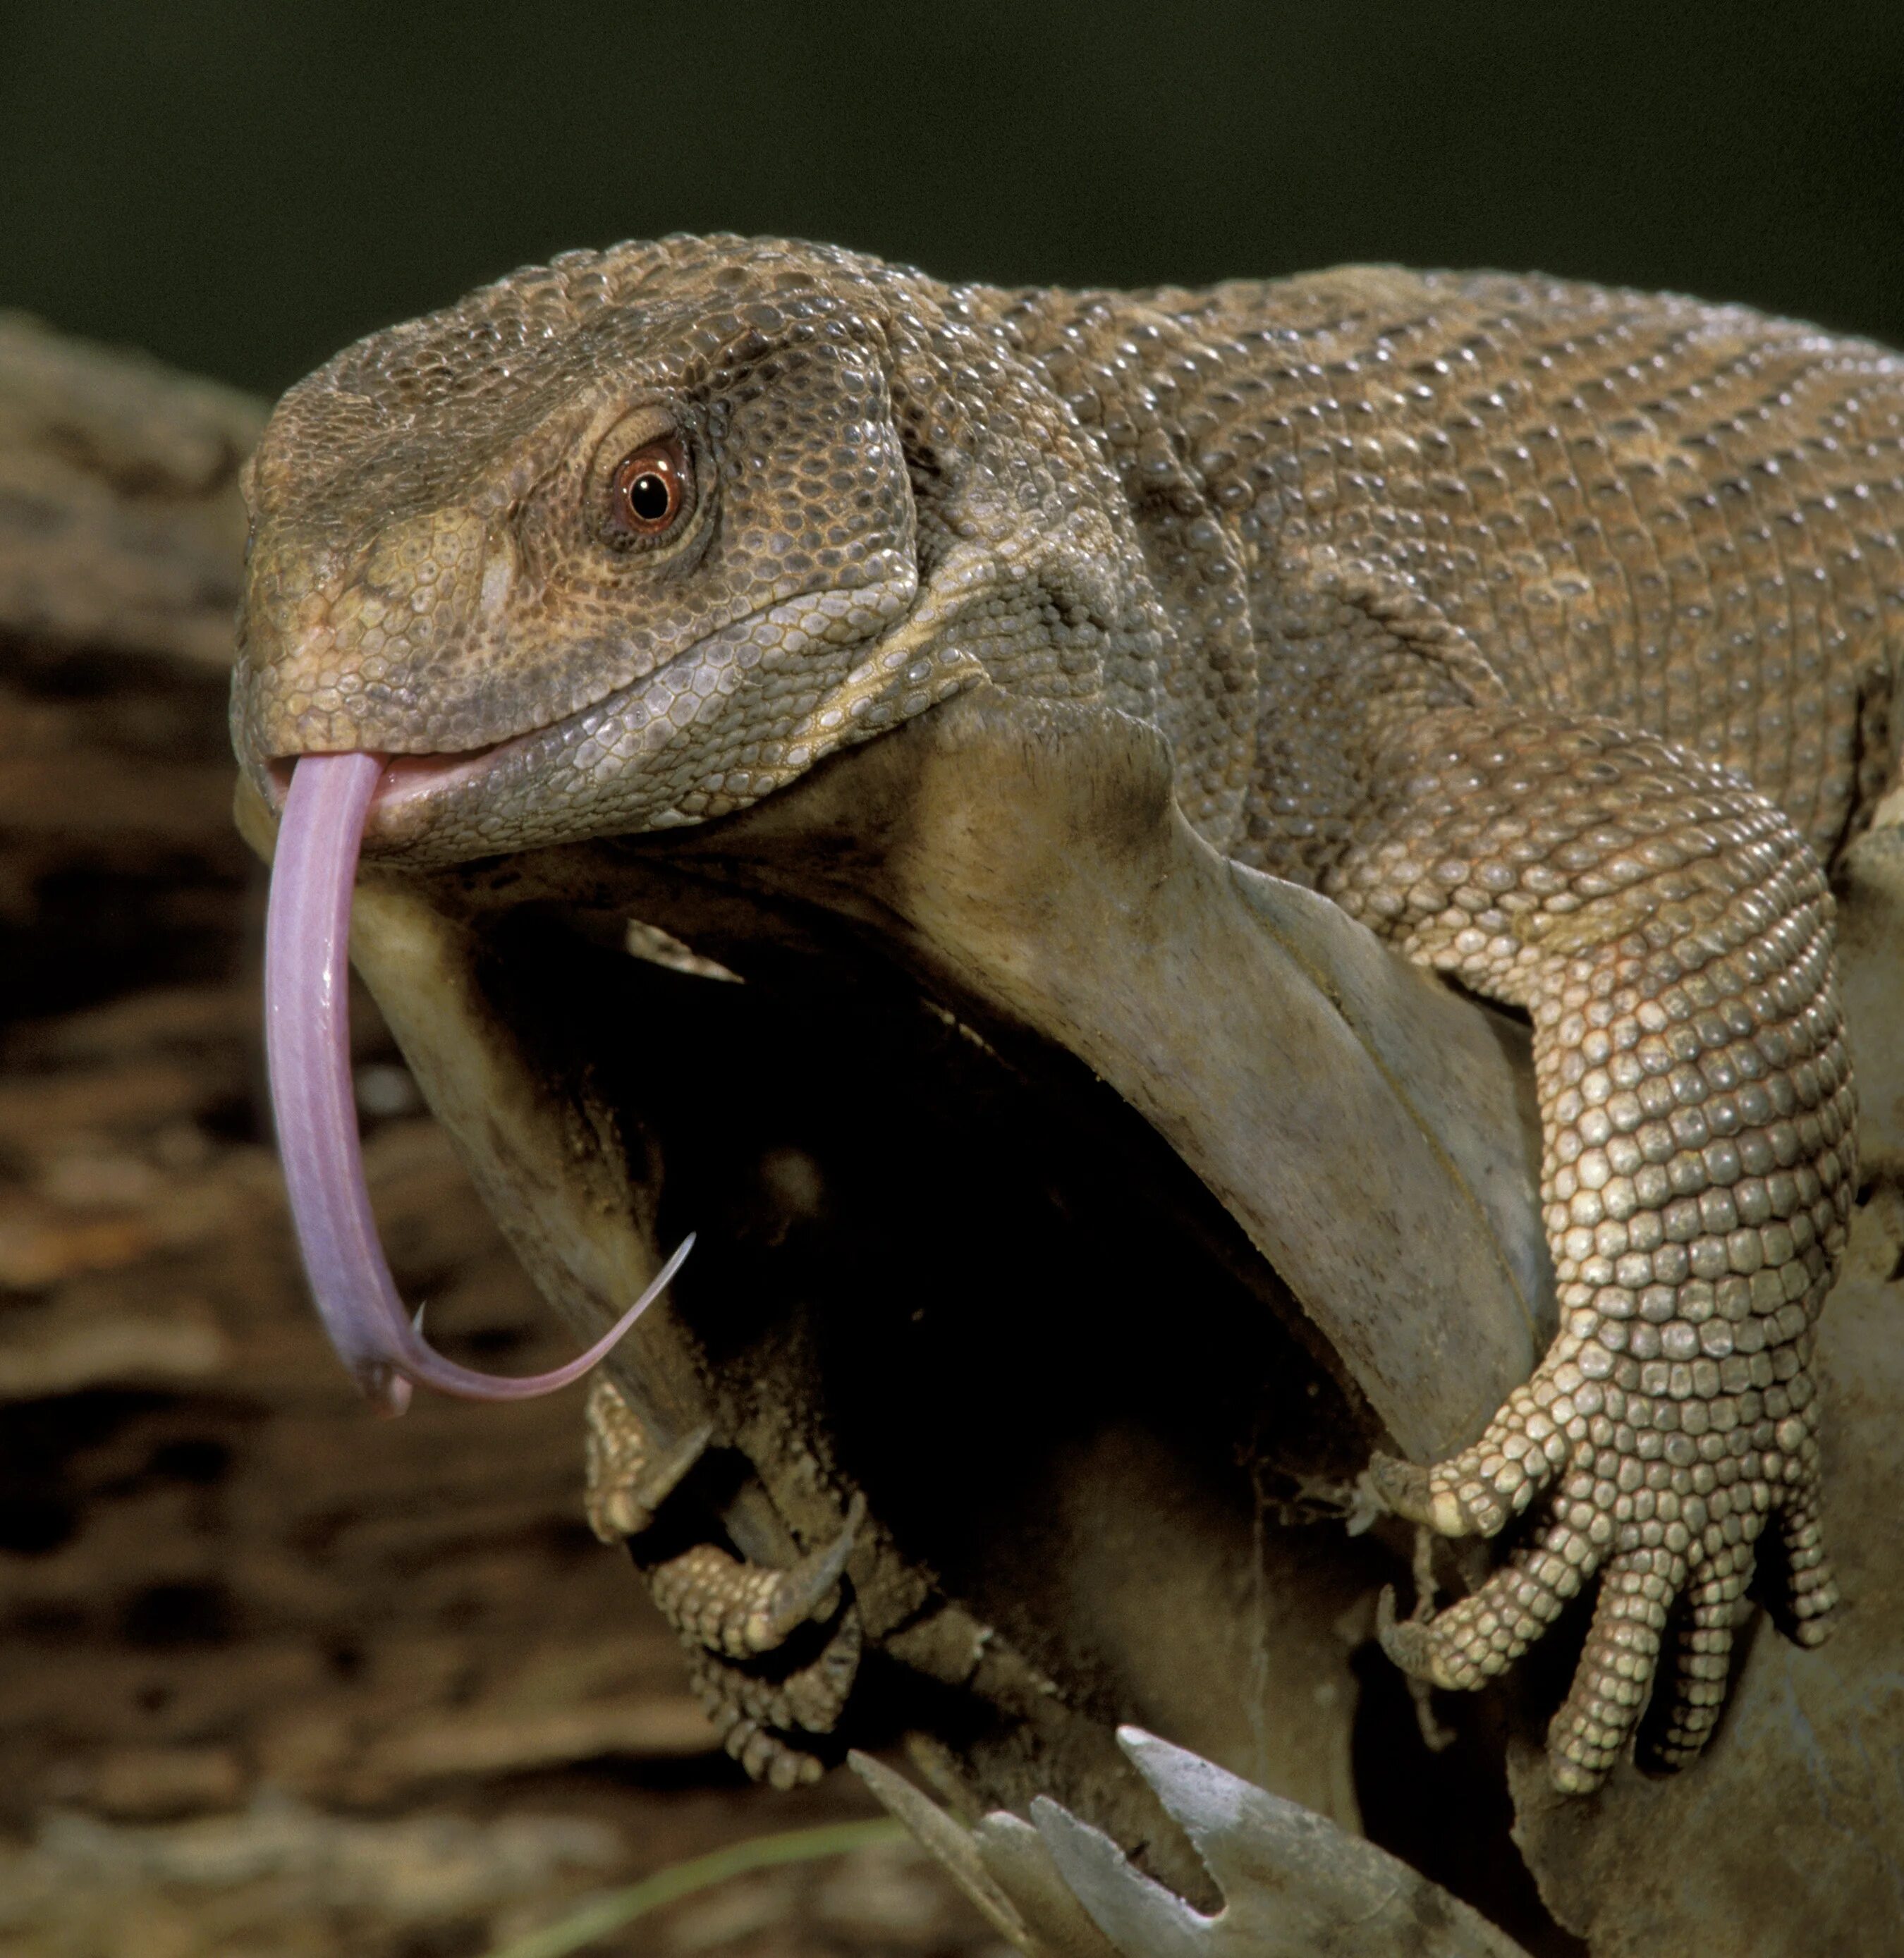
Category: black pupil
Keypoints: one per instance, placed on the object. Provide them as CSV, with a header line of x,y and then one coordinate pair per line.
x,y
649,497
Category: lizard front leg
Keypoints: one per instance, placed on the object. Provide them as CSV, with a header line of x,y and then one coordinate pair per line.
x,y
1670,934
726,1612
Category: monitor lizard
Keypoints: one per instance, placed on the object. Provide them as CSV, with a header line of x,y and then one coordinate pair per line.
x,y
1557,633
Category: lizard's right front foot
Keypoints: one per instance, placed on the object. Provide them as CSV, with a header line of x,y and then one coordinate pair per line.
x,y
1674,1419
736,1619
1669,936
1663,1499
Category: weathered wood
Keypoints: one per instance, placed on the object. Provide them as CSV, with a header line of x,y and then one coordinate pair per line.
x,y
121,523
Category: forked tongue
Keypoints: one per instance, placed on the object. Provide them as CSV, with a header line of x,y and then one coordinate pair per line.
x,y
307,1036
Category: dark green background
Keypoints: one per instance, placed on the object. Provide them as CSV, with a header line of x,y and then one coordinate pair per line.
x,y
242,188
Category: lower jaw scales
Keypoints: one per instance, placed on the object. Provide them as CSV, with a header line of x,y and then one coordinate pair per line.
x,y
307,1032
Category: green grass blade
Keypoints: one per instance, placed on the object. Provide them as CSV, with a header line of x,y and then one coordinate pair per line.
x,y
604,1914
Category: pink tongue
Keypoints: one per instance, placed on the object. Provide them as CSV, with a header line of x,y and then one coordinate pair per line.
x,y
307,1035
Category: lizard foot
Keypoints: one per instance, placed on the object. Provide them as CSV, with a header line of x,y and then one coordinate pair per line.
x,y
1662,1496
628,1479
714,1601
734,1618
757,1713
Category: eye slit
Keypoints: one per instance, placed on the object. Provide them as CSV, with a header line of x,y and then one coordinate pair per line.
x,y
652,489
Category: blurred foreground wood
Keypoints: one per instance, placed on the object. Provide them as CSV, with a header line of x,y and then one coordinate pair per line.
x,y
274,1677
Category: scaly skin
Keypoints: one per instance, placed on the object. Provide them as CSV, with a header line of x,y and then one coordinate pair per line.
x,y
1555,633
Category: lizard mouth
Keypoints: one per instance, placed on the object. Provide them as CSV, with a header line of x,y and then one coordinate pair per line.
x,y
406,781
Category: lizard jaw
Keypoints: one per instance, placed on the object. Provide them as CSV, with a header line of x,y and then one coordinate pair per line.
x,y
404,789
871,651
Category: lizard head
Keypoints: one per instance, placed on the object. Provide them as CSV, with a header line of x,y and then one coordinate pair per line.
x,y
621,542
633,538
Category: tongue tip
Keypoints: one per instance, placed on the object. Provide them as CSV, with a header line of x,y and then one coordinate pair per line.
x,y
388,1392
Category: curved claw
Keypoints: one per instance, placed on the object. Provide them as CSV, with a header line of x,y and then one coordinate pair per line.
x,y
628,1479
809,1584
307,1040
743,1609
1411,1643
1410,1492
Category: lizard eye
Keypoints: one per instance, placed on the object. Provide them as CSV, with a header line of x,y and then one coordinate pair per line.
x,y
652,490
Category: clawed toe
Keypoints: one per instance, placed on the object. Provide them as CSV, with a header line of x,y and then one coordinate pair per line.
x,y
807,1591
628,1479
757,1713
1426,1649
1444,1499
1809,1601
741,1609
1402,1488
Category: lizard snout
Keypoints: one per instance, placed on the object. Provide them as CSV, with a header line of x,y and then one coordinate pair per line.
x,y
354,651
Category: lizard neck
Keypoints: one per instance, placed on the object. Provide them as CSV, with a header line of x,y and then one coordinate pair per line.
x,y
1131,379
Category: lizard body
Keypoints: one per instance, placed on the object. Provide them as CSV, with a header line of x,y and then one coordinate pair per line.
x,y
1557,633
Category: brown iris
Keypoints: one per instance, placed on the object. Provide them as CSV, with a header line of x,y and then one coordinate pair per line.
x,y
652,489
